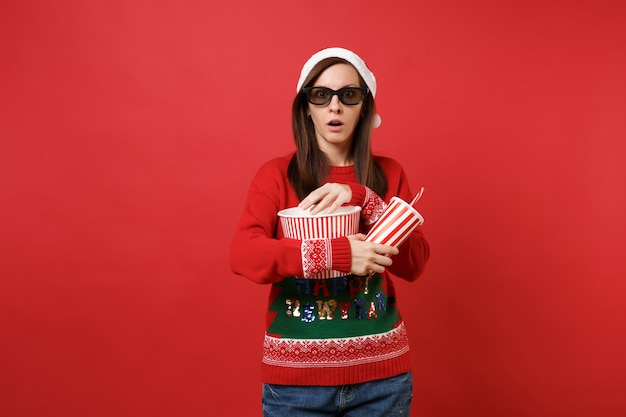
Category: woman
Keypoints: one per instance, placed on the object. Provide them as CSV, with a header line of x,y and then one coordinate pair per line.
x,y
332,346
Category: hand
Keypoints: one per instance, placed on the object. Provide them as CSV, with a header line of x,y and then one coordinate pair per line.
x,y
368,257
327,198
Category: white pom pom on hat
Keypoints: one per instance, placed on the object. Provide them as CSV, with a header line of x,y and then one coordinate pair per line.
x,y
352,58
377,121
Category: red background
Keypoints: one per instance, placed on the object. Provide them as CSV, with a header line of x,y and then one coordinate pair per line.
x,y
130,131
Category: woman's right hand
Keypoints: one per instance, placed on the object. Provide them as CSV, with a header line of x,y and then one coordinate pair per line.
x,y
368,257
327,198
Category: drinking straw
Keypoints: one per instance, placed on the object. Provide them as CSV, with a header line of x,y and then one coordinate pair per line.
x,y
418,196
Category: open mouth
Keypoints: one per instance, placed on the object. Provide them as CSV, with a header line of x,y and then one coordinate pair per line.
x,y
335,123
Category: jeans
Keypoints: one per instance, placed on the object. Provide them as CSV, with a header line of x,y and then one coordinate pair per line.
x,y
385,397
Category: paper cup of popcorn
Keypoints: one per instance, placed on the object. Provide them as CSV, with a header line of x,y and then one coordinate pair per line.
x,y
395,224
301,224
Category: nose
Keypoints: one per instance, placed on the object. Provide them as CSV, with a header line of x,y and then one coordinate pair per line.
x,y
335,104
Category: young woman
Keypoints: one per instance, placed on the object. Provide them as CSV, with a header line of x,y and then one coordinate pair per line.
x,y
336,346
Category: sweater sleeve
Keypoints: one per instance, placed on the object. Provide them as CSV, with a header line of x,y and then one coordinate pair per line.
x,y
414,253
255,253
372,204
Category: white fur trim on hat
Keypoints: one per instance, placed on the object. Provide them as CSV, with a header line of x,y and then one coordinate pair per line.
x,y
352,58
342,53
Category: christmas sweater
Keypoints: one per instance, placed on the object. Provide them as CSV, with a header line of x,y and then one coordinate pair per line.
x,y
331,331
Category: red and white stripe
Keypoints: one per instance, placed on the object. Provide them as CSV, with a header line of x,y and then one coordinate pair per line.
x,y
320,227
396,224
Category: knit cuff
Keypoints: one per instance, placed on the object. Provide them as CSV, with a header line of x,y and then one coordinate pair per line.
x,y
358,194
372,208
316,256
341,255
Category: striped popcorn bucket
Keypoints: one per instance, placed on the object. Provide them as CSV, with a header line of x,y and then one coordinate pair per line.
x,y
396,223
301,224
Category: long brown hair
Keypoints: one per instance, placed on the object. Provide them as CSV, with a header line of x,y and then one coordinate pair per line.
x,y
309,166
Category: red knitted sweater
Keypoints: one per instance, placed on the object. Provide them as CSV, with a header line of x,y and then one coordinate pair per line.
x,y
332,331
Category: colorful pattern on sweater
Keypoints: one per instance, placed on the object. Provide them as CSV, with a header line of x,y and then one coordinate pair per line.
x,y
349,351
316,256
373,207
333,322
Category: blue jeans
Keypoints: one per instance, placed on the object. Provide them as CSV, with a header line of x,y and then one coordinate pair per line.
x,y
385,397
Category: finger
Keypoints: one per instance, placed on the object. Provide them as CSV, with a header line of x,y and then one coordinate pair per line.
x,y
377,268
384,261
328,204
386,250
321,206
314,197
308,201
331,202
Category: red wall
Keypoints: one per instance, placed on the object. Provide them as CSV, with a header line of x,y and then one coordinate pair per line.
x,y
129,132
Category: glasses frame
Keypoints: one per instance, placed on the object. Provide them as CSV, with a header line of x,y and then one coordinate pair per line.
x,y
307,90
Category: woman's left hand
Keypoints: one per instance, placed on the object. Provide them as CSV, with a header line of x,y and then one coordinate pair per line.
x,y
327,198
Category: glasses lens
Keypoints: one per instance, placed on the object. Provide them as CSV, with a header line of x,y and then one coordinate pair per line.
x,y
319,95
350,95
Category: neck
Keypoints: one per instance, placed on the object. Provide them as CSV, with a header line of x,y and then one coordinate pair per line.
x,y
338,156
339,160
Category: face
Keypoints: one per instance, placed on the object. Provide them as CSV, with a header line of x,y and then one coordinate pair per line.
x,y
335,122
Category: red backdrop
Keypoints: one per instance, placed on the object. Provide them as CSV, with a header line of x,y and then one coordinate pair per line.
x,y
130,130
